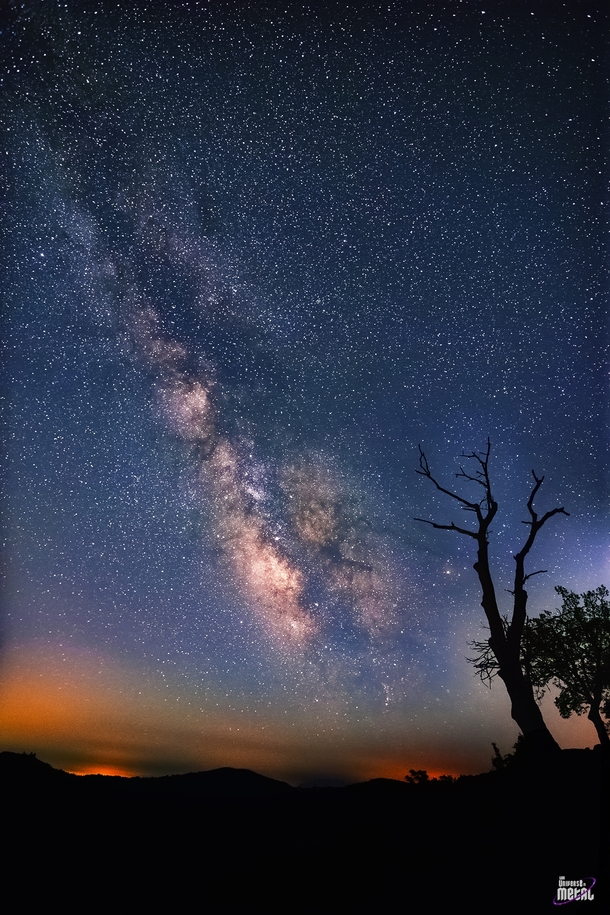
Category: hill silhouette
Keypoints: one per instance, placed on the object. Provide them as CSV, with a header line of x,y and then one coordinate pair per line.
x,y
226,782
499,840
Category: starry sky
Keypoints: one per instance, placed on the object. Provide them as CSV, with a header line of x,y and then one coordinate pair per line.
x,y
255,255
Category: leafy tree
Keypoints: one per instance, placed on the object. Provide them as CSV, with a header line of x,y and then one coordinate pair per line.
x,y
417,777
571,650
508,761
504,647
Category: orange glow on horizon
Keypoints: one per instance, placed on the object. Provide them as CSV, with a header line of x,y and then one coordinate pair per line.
x,y
89,714
398,771
93,769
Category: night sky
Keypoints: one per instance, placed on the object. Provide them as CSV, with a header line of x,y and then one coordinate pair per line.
x,y
253,258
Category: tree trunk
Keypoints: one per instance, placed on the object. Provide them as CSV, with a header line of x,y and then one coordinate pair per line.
x,y
525,711
596,719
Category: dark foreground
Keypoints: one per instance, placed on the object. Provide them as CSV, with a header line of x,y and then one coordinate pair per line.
x,y
231,840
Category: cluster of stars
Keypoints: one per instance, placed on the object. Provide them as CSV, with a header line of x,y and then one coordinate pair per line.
x,y
256,257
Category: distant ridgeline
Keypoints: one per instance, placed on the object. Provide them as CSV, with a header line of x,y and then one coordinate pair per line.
x,y
510,833
26,770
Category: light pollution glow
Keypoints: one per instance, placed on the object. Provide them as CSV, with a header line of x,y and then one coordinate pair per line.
x,y
90,713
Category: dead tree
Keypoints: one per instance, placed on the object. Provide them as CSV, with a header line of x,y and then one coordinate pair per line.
x,y
505,636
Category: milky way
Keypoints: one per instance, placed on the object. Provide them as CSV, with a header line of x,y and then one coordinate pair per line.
x,y
266,576
257,256
341,544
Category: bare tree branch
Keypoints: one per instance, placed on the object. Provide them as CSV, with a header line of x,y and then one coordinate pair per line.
x,y
515,630
478,478
447,527
531,575
481,476
426,472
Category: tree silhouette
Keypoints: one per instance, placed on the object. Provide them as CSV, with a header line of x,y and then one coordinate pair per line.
x,y
505,642
417,777
571,650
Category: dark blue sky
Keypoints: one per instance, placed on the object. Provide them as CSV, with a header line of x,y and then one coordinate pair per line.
x,y
256,257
